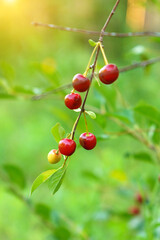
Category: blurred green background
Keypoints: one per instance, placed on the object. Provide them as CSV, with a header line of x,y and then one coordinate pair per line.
x,y
100,185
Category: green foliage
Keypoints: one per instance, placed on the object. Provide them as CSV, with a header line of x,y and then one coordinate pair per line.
x,y
14,175
56,179
58,132
91,114
92,43
42,178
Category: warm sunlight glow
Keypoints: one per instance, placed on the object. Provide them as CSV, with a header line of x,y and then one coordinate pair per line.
x,y
9,1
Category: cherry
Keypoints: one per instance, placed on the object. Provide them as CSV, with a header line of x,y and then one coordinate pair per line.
x,y
73,100
67,146
54,156
134,210
139,198
88,140
80,83
108,74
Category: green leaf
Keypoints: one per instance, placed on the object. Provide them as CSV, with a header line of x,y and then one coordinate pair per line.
x,y
91,175
43,177
58,132
141,156
149,112
91,114
125,115
56,180
15,175
43,210
92,43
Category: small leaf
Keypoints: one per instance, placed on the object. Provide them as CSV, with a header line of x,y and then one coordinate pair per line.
x,y
149,112
15,175
43,177
56,180
91,114
92,43
58,132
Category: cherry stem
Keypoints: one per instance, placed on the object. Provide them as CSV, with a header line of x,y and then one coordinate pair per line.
x,y
57,152
85,122
94,65
89,63
65,160
73,90
103,54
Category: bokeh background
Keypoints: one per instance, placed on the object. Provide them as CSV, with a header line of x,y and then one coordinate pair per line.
x,y
100,185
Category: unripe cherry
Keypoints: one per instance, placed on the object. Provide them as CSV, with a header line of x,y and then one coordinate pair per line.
x,y
80,83
73,100
54,156
87,140
67,146
108,74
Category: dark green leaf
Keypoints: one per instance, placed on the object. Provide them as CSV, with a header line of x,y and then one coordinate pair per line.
x,y
149,112
15,175
58,132
141,156
43,210
56,180
43,177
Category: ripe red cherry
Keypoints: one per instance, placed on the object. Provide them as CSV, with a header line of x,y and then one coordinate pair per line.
x,y
73,100
88,140
67,146
139,198
108,74
80,83
54,156
134,210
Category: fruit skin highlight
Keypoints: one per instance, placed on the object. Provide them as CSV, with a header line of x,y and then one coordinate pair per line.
x,y
108,74
80,83
87,140
54,156
73,100
67,146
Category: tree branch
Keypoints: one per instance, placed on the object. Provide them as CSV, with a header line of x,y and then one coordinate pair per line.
x,y
94,65
121,70
90,32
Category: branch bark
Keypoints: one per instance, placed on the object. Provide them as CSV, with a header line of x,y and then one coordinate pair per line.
x,y
90,32
121,70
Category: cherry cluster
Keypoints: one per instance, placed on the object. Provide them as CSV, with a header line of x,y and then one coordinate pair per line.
x,y
107,75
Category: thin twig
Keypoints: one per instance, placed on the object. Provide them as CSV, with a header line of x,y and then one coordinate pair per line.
x,y
94,65
89,32
121,70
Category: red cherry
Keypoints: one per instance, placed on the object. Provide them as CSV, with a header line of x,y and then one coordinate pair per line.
x,y
139,198
67,146
54,156
80,83
73,100
88,140
108,74
134,210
